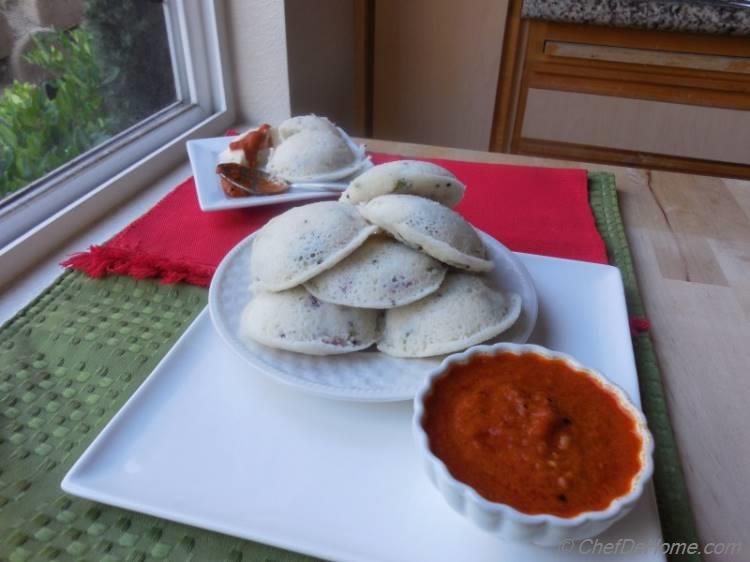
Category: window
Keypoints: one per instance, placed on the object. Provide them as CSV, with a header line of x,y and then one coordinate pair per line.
x,y
68,90
113,82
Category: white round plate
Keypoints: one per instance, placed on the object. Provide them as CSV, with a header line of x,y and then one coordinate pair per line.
x,y
367,376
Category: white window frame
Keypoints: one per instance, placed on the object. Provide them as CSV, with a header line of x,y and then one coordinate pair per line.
x,y
90,186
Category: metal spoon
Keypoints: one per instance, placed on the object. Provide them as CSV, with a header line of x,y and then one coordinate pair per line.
x,y
319,186
337,187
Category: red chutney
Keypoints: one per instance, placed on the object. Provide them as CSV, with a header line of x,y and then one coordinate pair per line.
x,y
533,433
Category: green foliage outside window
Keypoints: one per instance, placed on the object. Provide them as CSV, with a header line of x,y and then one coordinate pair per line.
x,y
43,127
109,74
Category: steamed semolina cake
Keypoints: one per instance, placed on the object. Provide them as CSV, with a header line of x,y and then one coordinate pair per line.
x,y
312,155
305,241
295,320
410,177
430,227
311,122
382,273
462,313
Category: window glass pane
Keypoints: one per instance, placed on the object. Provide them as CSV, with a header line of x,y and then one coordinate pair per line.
x,y
73,73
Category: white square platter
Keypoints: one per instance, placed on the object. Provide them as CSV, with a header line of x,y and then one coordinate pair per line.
x,y
208,442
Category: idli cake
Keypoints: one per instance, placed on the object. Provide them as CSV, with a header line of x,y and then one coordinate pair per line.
x,y
410,177
305,241
430,227
312,155
311,122
295,320
463,312
382,273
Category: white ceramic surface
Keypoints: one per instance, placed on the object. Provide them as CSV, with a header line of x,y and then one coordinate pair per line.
x,y
365,375
204,155
503,520
209,441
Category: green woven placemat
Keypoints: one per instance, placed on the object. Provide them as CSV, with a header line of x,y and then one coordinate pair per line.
x,y
678,526
74,355
69,361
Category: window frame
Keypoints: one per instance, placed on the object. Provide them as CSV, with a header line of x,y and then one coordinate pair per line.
x,y
78,193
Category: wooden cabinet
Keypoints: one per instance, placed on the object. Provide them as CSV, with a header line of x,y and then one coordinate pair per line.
x,y
435,70
651,98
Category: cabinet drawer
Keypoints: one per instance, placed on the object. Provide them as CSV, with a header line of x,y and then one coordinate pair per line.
x,y
663,100
644,56
687,131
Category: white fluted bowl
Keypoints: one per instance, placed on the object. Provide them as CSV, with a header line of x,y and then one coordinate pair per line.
x,y
503,520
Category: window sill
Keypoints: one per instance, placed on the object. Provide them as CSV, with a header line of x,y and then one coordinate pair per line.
x,y
25,251
16,295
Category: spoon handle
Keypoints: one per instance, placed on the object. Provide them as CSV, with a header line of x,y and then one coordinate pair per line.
x,y
319,186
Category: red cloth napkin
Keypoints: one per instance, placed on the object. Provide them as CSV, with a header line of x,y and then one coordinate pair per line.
x,y
535,210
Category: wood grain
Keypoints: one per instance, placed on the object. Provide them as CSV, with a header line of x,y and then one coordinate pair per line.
x,y
690,238
578,152
651,57
509,78
322,51
436,69
364,20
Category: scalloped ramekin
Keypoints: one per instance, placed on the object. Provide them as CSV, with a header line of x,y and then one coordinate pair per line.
x,y
501,519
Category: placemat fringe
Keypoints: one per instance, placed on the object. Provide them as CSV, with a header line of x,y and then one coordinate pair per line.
x,y
100,261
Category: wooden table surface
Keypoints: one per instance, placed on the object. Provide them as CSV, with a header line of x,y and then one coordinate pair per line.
x,y
690,238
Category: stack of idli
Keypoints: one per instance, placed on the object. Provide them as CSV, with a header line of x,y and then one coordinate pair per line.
x,y
390,264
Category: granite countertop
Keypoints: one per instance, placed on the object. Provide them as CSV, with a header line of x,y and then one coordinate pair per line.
x,y
719,17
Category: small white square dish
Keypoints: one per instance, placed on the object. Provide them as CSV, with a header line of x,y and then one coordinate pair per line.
x,y
209,441
204,155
